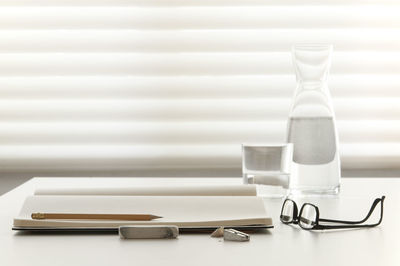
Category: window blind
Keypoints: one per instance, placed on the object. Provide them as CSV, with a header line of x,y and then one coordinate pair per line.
x,y
155,87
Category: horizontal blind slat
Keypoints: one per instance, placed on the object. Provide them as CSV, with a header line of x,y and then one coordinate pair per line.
x,y
209,17
12,157
141,132
194,40
353,131
186,63
183,110
156,3
187,87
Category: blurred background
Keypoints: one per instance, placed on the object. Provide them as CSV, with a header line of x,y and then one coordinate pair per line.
x,y
172,88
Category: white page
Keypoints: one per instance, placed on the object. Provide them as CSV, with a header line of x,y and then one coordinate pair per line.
x,y
180,211
171,190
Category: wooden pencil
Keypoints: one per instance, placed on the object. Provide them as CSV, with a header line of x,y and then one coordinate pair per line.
x,y
93,216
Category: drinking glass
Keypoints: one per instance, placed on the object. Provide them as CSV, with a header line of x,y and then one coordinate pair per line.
x,y
267,165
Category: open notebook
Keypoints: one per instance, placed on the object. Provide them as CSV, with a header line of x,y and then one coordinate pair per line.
x,y
187,212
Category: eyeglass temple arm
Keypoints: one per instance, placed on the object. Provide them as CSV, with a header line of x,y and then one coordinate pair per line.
x,y
374,204
344,226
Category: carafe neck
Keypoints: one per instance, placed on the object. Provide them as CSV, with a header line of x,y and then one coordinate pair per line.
x,y
311,62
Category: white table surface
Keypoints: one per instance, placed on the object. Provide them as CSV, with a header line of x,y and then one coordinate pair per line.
x,y
283,245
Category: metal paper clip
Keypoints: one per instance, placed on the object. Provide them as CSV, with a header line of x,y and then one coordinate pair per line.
x,y
235,235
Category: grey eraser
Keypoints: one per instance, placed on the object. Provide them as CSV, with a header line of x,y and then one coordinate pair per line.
x,y
148,231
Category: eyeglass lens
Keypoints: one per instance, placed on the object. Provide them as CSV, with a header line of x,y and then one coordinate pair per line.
x,y
308,216
287,211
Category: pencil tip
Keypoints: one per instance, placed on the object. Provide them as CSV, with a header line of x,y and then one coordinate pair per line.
x,y
155,217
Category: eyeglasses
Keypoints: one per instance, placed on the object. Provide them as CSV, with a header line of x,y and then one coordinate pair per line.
x,y
309,219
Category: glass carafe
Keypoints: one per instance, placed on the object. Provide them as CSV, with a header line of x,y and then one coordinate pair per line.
x,y
311,124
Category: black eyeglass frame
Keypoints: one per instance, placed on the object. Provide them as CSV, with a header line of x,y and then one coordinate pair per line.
x,y
317,226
